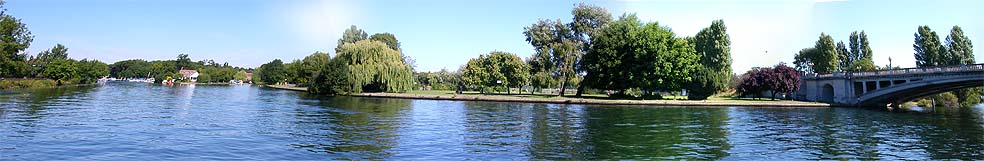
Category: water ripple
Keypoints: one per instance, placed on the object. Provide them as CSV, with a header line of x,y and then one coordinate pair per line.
x,y
133,121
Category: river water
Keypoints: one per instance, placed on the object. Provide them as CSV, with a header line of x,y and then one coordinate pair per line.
x,y
132,121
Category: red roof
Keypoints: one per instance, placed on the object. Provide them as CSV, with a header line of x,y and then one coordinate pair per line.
x,y
187,73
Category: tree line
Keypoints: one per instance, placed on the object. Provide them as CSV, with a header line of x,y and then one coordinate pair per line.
x,y
209,70
624,56
55,64
956,50
52,63
826,57
594,51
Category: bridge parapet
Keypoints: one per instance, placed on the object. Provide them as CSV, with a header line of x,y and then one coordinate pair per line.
x,y
957,69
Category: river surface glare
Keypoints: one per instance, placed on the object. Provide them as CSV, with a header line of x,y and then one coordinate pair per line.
x,y
133,121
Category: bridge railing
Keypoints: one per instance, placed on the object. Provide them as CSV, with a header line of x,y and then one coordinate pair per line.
x,y
904,71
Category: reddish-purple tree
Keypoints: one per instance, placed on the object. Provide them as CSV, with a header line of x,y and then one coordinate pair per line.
x,y
754,82
785,79
779,79
766,78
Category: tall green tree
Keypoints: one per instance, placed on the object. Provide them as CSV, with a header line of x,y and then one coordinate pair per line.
x,y
855,46
205,78
666,64
588,21
958,50
860,56
541,66
853,56
161,69
825,61
804,59
960,47
272,72
374,67
310,65
929,50
61,70
629,54
55,53
14,38
556,40
713,46
564,44
183,62
822,58
475,73
961,50
40,62
843,57
135,68
497,69
332,79
91,70
513,67
351,35
612,53
541,72
240,75
387,38
293,70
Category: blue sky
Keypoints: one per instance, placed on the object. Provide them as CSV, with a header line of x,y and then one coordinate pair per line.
x,y
445,34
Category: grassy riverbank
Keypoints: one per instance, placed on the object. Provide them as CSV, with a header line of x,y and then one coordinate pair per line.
x,y
589,99
586,99
17,84
28,84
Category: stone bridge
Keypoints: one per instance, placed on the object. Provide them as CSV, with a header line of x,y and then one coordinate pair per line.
x,y
887,87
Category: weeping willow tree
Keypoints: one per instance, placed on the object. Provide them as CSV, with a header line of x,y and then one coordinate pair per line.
x,y
374,67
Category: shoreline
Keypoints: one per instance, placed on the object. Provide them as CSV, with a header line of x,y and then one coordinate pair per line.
x,y
584,101
26,90
19,85
301,89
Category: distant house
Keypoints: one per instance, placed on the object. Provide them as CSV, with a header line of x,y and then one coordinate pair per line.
x,y
249,77
191,75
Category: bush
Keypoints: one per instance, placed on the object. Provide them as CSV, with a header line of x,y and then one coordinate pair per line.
x,y
332,79
947,99
27,83
703,85
204,78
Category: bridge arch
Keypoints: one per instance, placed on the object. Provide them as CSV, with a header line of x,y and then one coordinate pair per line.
x,y
827,95
910,91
